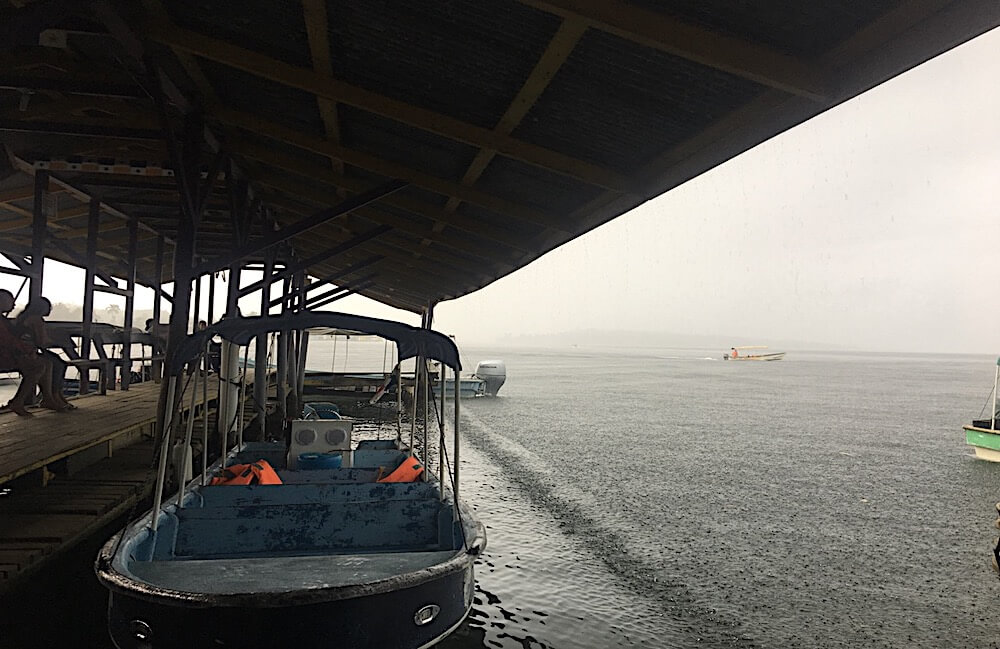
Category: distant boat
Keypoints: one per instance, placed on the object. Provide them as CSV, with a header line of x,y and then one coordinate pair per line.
x,y
487,380
983,435
739,354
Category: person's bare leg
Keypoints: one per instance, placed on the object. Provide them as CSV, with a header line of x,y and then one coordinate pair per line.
x,y
49,399
31,371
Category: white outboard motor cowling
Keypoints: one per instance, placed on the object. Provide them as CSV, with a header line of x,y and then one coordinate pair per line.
x,y
494,373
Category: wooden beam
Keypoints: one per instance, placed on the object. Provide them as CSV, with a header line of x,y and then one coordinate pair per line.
x,y
492,256
72,85
499,206
80,129
25,213
304,225
455,256
309,172
319,258
741,58
25,192
317,30
861,64
556,53
361,285
326,87
398,247
62,215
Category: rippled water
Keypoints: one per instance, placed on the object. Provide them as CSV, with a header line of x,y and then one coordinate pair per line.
x,y
670,500
667,499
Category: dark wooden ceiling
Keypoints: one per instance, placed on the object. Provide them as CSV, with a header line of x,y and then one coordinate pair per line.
x,y
516,125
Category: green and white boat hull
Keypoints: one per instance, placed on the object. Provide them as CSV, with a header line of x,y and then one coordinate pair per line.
x,y
985,441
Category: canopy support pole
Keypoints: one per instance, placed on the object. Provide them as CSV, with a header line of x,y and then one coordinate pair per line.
x,y
161,471
260,360
182,476
455,458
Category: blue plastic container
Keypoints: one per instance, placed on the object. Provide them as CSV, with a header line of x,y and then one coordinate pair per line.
x,y
314,461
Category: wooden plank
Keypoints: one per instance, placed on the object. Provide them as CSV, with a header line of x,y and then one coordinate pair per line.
x,y
29,540
41,527
27,444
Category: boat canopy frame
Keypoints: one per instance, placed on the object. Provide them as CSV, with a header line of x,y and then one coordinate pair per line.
x,y
410,341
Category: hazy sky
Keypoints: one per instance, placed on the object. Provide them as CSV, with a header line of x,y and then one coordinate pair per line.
x,y
873,226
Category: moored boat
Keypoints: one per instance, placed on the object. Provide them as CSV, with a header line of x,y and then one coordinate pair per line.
x,y
284,547
982,435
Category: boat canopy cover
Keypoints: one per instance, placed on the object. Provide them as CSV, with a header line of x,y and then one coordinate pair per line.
x,y
410,341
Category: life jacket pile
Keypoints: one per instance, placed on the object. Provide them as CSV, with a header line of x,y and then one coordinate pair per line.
x,y
259,472
408,471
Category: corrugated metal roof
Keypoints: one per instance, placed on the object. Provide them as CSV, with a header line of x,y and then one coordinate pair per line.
x,y
517,124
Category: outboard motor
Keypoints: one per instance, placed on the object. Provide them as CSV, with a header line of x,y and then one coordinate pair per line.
x,y
494,373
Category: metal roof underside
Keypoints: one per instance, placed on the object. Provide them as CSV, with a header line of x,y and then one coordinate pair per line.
x,y
517,125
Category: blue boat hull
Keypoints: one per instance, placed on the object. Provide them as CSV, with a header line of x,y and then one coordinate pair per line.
x,y
385,620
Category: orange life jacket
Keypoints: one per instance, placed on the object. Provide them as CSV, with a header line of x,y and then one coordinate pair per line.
x,y
408,471
259,472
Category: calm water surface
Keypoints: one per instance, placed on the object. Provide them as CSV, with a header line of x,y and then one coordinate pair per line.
x,y
666,499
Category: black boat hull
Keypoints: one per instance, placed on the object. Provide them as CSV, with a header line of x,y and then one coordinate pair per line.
x,y
386,620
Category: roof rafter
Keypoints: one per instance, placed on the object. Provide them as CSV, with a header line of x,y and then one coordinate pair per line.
x,y
307,198
301,168
321,86
317,30
556,53
735,56
409,249
387,168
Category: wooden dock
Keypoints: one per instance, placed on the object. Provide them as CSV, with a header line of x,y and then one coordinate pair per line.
x,y
104,449
31,443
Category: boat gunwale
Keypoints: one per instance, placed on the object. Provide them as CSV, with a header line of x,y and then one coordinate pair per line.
x,y
981,430
117,581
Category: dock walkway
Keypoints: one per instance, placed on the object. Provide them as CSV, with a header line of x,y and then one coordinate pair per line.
x,y
110,435
31,443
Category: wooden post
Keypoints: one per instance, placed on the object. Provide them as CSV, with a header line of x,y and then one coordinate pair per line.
x,y
197,303
211,298
156,367
133,243
38,231
93,225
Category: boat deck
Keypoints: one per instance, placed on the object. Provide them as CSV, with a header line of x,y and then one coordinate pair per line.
x,y
281,574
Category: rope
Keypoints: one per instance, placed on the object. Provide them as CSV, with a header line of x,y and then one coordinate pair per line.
x,y
987,403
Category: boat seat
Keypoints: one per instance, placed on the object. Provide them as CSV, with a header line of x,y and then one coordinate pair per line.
x,y
249,495
367,458
377,445
280,574
328,476
356,527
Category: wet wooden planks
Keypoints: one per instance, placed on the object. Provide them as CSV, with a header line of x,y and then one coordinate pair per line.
x,y
27,444
38,523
